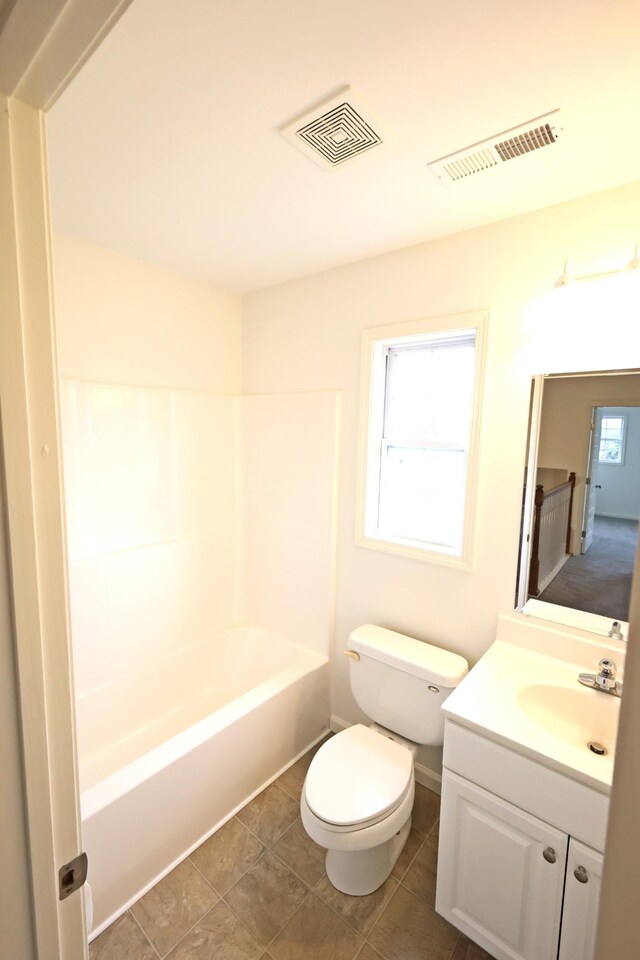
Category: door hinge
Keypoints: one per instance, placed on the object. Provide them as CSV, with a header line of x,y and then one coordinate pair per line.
x,y
72,876
584,533
588,482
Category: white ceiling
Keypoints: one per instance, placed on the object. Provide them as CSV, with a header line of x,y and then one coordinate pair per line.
x,y
166,145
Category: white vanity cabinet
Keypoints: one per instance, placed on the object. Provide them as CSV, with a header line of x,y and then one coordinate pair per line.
x,y
501,874
581,898
510,870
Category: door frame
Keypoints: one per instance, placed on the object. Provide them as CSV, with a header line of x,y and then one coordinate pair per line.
x,y
42,46
593,448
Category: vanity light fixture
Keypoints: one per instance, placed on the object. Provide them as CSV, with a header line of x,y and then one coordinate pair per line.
x,y
634,264
567,277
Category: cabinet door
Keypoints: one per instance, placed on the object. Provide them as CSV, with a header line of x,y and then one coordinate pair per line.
x,y
500,873
581,898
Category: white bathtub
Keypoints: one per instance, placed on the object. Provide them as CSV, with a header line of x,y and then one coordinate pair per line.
x,y
238,709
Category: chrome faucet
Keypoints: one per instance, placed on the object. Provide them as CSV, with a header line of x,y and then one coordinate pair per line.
x,y
604,679
615,631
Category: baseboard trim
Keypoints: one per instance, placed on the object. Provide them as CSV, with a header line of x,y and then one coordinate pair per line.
x,y
617,516
428,778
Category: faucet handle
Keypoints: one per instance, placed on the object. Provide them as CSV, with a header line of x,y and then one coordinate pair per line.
x,y
606,677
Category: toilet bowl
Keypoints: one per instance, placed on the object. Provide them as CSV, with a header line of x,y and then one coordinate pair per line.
x,y
356,802
358,794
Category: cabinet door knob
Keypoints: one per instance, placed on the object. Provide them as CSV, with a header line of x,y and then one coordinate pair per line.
x,y
549,854
581,875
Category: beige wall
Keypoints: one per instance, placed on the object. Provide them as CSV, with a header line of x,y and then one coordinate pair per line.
x,y
120,320
564,433
16,939
306,335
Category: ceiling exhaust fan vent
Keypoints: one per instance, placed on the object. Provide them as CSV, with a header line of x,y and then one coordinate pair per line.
x,y
541,132
336,130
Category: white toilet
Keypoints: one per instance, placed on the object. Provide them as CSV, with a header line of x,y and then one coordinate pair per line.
x,y
358,792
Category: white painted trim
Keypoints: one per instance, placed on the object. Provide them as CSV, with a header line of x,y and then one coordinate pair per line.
x,y
554,573
44,45
535,418
426,777
617,516
30,429
478,320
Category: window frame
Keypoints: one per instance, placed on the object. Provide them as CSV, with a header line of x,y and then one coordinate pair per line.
x,y
623,439
375,344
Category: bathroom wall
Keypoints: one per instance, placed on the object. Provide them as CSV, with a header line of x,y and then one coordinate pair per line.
x,y
306,335
289,511
150,364
120,320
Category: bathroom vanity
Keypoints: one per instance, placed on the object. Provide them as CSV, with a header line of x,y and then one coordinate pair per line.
x,y
524,799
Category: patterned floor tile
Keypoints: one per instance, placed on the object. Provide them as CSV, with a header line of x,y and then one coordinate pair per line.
x,y
410,928
170,908
270,814
123,940
368,953
218,936
360,912
426,809
411,847
227,855
316,933
466,950
266,897
420,878
299,852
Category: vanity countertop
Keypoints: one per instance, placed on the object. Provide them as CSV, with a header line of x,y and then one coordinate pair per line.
x,y
524,693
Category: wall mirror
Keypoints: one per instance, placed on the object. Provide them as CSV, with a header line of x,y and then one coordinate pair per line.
x,y
581,499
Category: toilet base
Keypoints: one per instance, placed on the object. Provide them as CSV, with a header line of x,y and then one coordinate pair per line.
x,y
359,872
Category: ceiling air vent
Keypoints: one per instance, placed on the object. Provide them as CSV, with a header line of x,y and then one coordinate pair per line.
x,y
336,130
516,142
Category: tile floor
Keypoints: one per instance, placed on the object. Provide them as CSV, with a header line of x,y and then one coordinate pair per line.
x,y
257,890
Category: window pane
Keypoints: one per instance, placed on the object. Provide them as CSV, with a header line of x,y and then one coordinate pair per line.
x,y
611,439
422,494
611,428
429,393
610,451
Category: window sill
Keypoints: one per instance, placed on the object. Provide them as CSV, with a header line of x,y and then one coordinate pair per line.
x,y
440,556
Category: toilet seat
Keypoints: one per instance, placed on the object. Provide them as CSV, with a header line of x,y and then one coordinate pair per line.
x,y
357,779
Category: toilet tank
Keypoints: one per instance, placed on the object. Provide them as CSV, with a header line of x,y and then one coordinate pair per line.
x,y
401,682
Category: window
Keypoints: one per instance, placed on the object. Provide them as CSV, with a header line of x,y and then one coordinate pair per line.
x,y
612,431
422,418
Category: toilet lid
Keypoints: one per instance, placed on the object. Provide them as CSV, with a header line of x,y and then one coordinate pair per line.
x,y
356,776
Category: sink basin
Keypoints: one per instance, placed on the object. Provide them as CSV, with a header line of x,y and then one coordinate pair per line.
x,y
575,715
524,693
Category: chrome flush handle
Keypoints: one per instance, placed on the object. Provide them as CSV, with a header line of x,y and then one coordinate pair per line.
x,y
351,653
